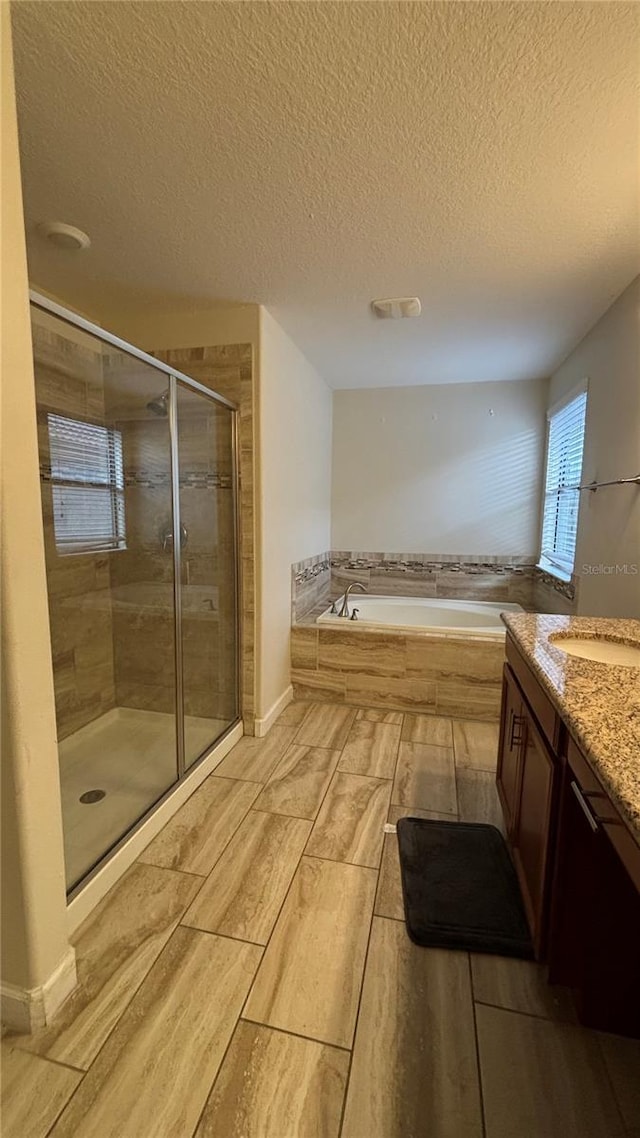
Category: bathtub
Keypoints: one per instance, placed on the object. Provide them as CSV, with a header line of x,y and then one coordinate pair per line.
x,y
424,614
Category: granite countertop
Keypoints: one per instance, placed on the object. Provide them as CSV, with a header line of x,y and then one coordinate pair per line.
x,y
599,703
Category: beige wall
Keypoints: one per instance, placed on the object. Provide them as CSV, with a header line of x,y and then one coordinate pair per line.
x,y
34,921
609,521
295,447
432,470
151,328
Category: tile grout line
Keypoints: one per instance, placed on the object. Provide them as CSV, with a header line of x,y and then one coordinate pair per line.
x,y
341,861
366,957
287,893
477,1045
6,1039
232,1036
295,1034
611,1085
177,925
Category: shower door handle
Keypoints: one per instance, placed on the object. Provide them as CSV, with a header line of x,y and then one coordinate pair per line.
x,y
166,537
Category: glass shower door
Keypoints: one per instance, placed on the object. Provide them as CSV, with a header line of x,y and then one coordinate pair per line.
x,y
106,483
207,622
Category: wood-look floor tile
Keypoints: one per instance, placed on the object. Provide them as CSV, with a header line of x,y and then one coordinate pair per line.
x,y
198,833
293,714
478,797
274,1085
309,980
115,948
326,725
253,759
350,825
622,1060
371,748
433,729
373,715
542,1078
299,782
475,744
389,901
414,1069
425,777
155,1071
34,1091
243,893
519,985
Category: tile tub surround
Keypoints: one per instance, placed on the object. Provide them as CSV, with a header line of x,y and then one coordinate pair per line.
x,y
419,672
600,703
319,579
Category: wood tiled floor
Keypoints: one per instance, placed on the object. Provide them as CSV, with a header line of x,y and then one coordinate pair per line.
x,y
251,976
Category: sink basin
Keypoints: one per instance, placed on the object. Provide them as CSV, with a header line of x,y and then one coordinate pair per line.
x,y
604,651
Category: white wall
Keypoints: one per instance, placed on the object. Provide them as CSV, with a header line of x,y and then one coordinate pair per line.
x,y
295,463
35,950
609,520
432,470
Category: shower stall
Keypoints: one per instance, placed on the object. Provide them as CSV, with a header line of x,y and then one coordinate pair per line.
x,y
138,472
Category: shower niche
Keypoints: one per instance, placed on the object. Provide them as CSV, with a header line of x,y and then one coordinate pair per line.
x,y
139,501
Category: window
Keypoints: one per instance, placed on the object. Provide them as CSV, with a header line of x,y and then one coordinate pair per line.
x,y
561,495
87,482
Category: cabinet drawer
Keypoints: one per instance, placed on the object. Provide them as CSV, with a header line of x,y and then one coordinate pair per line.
x,y
540,705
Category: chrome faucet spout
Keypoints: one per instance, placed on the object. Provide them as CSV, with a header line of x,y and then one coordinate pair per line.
x,y
344,611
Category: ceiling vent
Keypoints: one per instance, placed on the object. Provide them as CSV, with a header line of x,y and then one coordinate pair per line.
x,y
396,307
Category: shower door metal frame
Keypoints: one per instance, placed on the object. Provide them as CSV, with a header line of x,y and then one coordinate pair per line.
x,y
173,378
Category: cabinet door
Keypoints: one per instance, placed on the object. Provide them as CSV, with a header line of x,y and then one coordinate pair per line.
x,y
594,939
510,750
532,835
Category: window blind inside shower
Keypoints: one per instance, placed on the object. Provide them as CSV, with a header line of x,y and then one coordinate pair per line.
x,y
87,483
561,495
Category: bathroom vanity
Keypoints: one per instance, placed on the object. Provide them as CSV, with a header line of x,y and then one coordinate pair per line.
x,y
568,778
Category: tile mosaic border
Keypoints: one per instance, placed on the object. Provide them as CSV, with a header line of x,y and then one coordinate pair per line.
x,y
564,588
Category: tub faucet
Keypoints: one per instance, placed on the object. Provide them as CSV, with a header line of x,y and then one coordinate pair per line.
x,y
344,611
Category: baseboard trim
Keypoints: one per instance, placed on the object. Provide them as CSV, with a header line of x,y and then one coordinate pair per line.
x,y
25,1010
100,884
263,725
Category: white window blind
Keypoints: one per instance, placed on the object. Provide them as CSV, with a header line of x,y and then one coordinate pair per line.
x,y
87,482
561,495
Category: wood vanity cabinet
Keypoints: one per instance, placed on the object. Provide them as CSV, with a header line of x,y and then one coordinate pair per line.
x,y
577,862
528,780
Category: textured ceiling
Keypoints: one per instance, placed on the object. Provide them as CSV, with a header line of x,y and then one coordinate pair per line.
x,y
312,156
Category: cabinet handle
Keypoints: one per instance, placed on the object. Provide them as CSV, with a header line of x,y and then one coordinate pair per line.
x,y
515,740
584,806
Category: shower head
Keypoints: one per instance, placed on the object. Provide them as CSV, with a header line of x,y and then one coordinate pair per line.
x,y
159,405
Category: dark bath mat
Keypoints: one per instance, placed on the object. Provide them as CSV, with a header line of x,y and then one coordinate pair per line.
x,y
460,889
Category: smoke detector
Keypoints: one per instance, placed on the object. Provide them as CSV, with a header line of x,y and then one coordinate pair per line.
x,y
64,236
396,307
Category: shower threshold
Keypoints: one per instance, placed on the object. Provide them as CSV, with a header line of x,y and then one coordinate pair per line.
x,y
130,755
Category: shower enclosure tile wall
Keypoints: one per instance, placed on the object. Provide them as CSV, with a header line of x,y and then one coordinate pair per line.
x,y
228,369
69,382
